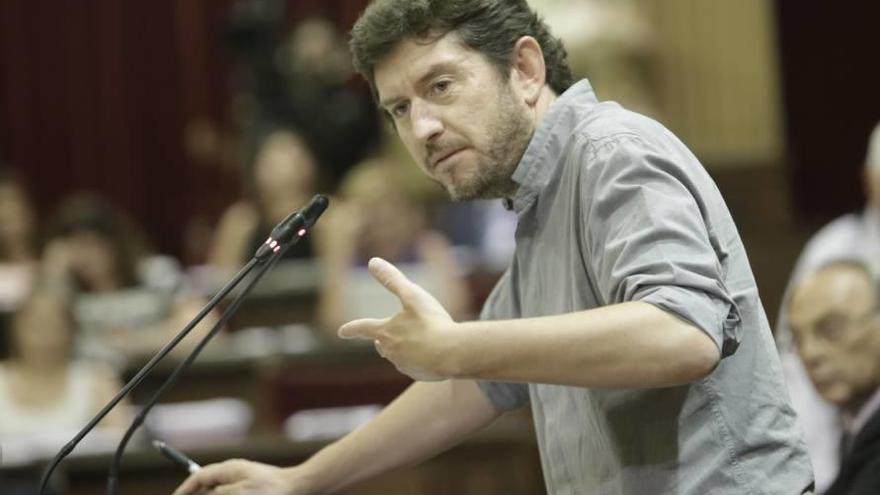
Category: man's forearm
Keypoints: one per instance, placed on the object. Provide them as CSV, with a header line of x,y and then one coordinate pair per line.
x,y
625,345
425,420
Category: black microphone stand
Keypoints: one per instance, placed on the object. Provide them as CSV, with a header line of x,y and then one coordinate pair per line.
x,y
290,230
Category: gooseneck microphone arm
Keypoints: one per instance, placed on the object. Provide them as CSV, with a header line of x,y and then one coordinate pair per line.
x,y
113,476
288,232
295,225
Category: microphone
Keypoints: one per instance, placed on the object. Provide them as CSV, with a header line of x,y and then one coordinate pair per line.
x,y
287,233
296,224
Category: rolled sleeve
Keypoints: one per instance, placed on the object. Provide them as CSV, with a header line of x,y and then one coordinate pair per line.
x,y
648,239
700,309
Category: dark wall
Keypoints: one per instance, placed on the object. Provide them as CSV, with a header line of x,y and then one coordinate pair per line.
x,y
831,78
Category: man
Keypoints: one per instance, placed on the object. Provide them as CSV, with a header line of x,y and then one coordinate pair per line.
x,y
834,321
628,287
856,236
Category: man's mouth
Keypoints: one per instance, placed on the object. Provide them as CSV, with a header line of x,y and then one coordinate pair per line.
x,y
440,157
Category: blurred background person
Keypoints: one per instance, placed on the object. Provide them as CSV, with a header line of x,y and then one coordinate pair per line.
x,y
18,240
381,212
856,236
302,74
46,394
121,292
283,178
833,316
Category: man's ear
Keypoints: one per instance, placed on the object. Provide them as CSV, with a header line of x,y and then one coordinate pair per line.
x,y
528,71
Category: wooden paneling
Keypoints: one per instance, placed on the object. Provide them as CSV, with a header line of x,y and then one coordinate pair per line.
x,y
717,77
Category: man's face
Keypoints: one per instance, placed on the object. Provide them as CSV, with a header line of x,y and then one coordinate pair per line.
x,y
461,121
832,317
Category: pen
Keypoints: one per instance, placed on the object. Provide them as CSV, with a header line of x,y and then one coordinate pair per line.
x,y
176,456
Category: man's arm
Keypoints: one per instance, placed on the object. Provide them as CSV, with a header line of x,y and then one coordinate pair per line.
x,y
633,344
627,345
425,420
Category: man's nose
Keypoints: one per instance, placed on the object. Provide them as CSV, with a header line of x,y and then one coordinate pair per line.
x,y
426,122
811,350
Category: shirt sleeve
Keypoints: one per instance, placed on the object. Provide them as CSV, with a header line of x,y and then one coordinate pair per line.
x,y
504,396
648,238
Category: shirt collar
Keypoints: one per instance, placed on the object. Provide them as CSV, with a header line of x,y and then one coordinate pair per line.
x,y
546,146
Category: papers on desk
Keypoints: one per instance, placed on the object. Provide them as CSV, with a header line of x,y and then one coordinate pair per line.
x,y
201,423
328,423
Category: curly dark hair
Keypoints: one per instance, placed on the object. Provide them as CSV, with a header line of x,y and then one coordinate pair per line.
x,y
491,27
86,212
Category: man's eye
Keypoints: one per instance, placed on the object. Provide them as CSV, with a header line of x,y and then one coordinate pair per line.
x,y
441,87
400,109
831,328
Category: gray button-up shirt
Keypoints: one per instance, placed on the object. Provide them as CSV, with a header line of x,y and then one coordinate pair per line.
x,y
612,208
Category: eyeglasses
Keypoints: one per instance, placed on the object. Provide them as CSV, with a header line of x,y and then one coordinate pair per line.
x,y
835,327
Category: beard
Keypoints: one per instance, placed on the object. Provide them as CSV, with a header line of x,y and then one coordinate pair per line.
x,y
509,134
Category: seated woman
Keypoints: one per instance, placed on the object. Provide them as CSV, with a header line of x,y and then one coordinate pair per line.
x,y
18,253
121,293
282,179
45,394
381,214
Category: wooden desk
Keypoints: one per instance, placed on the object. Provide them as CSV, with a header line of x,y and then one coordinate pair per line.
x,y
503,459
279,384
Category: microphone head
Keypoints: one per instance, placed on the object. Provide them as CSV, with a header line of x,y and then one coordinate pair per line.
x,y
314,209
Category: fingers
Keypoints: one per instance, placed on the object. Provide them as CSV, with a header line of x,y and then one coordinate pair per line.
x,y
367,328
191,485
209,477
226,490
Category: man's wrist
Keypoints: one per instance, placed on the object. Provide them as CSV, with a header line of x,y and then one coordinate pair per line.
x,y
302,480
455,361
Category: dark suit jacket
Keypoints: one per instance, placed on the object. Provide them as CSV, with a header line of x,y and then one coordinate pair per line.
x,y
860,470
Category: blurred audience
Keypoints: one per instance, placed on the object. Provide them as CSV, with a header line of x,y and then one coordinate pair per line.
x,y
380,213
18,243
43,389
282,179
833,316
856,236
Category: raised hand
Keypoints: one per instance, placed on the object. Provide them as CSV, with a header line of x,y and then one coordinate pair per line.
x,y
419,338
